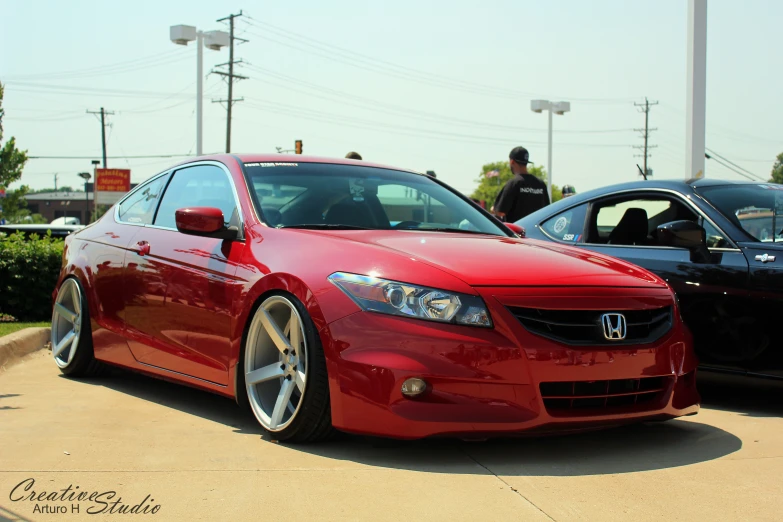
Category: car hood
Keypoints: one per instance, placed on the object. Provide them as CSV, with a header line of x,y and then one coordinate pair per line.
x,y
484,260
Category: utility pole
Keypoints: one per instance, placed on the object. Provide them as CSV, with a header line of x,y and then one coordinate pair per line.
x,y
55,182
103,114
230,76
645,108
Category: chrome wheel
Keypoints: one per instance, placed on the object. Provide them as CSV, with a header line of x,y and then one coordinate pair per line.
x,y
66,323
276,363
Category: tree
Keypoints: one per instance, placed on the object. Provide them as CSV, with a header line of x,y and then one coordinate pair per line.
x,y
488,188
12,161
777,170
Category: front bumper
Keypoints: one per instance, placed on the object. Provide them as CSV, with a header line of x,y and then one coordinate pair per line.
x,y
488,381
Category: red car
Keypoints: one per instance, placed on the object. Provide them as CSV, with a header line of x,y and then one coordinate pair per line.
x,y
334,294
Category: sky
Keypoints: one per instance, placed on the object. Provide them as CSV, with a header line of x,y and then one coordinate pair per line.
x,y
423,85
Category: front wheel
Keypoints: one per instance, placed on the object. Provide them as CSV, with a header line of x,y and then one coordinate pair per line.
x,y
284,371
71,332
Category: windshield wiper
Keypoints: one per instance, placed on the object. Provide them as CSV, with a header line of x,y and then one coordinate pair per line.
x,y
448,229
328,226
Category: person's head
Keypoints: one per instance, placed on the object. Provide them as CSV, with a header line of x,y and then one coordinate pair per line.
x,y
568,191
353,155
518,160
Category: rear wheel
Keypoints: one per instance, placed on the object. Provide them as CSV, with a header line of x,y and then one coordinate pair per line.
x,y
285,371
71,332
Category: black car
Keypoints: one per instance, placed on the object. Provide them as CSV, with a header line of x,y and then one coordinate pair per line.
x,y
57,231
719,244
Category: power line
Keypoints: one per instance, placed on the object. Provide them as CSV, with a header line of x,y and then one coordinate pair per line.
x,y
732,163
729,167
80,91
374,125
645,133
154,60
230,76
374,64
330,94
144,156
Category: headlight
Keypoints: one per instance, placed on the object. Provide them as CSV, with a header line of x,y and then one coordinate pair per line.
x,y
392,297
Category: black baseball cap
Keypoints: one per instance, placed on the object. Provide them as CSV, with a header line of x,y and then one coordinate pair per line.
x,y
520,155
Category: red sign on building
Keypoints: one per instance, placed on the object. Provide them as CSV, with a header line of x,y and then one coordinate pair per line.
x,y
111,184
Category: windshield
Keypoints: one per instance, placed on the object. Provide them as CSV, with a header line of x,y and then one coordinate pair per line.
x,y
757,209
322,195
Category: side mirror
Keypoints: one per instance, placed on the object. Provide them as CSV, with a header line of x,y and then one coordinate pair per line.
x,y
204,221
516,229
685,234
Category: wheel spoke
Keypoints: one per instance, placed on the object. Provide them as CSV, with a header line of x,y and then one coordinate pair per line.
x,y
281,403
65,313
274,332
77,305
294,332
264,374
64,343
300,381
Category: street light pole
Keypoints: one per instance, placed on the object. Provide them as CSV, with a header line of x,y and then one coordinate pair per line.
x,y
86,177
181,35
199,92
560,108
549,157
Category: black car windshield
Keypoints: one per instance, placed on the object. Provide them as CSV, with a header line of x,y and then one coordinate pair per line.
x,y
757,209
332,196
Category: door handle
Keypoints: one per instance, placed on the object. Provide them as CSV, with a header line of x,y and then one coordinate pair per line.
x,y
764,258
142,248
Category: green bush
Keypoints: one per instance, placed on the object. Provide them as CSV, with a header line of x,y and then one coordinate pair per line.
x,y
29,268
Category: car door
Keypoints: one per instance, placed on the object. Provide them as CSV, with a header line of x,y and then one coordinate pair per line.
x,y
725,274
707,289
181,287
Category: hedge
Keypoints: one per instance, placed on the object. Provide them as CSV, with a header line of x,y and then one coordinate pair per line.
x,y
29,268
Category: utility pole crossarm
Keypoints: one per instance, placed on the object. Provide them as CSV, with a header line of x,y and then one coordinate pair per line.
x,y
645,108
230,76
103,113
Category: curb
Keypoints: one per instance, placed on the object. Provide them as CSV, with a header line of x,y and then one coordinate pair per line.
x,y
18,344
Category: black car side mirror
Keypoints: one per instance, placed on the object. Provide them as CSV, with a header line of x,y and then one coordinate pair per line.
x,y
685,234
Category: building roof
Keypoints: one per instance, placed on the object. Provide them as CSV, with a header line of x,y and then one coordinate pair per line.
x,y
58,196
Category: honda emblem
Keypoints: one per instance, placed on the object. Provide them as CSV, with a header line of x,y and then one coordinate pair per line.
x,y
615,327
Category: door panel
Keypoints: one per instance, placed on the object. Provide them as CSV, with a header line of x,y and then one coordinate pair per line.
x,y
179,303
180,288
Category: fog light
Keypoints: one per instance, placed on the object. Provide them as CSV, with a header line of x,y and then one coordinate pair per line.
x,y
414,387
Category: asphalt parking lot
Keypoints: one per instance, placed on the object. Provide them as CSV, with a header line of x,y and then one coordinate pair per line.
x,y
199,457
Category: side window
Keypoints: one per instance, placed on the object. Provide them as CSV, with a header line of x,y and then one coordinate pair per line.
x,y
631,221
568,225
715,238
199,186
139,208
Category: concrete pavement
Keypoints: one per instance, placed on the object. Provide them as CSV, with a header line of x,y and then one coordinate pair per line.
x,y
199,457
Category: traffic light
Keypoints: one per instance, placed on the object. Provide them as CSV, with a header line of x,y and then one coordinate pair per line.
x,y
298,146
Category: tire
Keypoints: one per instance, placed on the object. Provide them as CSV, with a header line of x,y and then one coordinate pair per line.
x,y
71,318
306,415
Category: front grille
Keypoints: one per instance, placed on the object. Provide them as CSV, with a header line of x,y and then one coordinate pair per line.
x,y
584,328
567,396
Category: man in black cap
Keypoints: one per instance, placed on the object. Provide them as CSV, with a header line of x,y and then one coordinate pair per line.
x,y
353,155
524,193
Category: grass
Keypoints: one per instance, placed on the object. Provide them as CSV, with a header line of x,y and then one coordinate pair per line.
x,y
7,328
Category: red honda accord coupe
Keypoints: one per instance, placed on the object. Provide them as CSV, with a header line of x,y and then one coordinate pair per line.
x,y
334,294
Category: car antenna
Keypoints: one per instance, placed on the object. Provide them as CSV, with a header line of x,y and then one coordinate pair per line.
x,y
641,172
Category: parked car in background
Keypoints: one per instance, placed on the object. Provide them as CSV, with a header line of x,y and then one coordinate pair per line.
x,y
718,243
327,294
58,231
